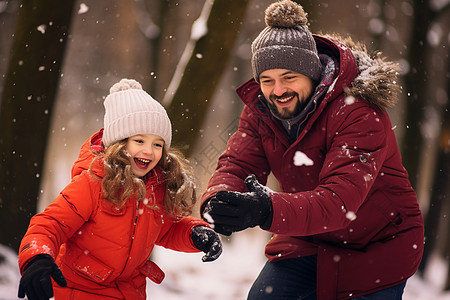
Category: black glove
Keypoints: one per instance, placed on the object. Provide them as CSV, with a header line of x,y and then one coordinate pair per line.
x,y
235,211
36,283
206,240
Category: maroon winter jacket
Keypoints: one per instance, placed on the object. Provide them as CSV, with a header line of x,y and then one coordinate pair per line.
x,y
353,206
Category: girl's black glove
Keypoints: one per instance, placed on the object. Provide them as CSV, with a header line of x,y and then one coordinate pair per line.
x,y
229,211
36,281
208,241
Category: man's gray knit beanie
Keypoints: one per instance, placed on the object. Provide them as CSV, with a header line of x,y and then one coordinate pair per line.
x,y
286,42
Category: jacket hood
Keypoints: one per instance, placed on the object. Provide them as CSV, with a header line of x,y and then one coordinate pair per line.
x,y
377,79
86,155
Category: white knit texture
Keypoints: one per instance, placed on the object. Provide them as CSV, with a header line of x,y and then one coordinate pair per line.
x,y
132,111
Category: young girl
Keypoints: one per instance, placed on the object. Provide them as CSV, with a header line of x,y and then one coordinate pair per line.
x,y
128,193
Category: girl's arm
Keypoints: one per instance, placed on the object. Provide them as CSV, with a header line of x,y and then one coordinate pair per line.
x,y
176,235
59,221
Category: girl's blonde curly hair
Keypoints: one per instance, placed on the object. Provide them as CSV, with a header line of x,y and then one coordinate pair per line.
x,y
119,183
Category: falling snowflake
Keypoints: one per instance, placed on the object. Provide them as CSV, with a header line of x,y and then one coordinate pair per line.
x,y
350,215
83,9
42,28
349,100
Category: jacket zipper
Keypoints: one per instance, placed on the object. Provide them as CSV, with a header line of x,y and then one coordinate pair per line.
x,y
135,221
133,232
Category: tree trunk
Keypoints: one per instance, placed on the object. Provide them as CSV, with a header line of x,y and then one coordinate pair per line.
x,y
442,177
438,205
204,70
444,188
439,196
26,108
415,88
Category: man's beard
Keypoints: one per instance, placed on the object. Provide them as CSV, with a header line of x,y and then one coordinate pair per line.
x,y
285,113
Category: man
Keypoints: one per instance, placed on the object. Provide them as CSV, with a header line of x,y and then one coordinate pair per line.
x,y
346,221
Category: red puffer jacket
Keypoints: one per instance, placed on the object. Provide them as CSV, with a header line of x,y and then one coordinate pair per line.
x,y
351,203
103,251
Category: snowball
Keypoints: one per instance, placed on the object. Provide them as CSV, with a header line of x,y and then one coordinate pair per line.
x,y
301,159
209,219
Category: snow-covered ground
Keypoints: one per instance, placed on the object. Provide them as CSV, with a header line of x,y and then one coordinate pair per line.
x,y
228,278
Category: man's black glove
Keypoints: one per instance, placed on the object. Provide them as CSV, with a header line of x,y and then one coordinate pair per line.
x,y
208,241
234,211
36,283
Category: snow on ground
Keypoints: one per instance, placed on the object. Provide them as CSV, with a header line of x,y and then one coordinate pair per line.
x,y
228,278
9,273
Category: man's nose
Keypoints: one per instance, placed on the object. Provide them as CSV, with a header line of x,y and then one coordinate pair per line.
x,y
279,89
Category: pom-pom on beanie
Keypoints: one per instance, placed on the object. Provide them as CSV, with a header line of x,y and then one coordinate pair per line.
x,y
286,42
129,110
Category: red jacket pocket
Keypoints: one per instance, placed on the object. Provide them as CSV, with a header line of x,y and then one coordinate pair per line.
x,y
88,266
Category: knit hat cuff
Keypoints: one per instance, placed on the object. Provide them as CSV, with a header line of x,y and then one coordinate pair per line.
x,y
300,60
143,122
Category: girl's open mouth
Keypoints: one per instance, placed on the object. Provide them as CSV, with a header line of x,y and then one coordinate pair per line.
x,y
142,163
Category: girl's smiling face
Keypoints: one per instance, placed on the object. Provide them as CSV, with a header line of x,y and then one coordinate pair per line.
x,y
145,151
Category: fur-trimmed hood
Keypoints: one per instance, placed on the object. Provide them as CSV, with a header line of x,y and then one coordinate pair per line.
x,y
377,81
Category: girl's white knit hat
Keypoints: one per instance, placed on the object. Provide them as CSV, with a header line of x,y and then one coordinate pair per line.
x,y
129,110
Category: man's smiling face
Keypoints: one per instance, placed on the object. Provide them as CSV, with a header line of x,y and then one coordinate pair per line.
x,y
286,91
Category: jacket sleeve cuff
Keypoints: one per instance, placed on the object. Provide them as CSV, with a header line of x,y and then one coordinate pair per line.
x,y
268,223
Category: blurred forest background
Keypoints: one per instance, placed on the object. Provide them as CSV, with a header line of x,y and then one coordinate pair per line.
x,y
58,60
